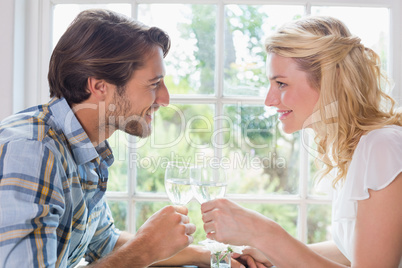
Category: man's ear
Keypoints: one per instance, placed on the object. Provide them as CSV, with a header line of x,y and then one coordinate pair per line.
x,y
97,88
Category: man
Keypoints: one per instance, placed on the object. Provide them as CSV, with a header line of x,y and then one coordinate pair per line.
x,y
106,74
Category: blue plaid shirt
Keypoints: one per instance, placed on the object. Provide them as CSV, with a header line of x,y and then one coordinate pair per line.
x,y
52,187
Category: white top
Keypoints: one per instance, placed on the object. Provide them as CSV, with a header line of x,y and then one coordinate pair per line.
x,y
375,164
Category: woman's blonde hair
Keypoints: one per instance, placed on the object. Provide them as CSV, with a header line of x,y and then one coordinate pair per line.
x,y
350,81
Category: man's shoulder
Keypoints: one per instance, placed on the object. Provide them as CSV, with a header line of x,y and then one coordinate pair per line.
x,y
31,124
31,128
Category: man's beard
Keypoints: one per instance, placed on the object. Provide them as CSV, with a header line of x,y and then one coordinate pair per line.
x,y
119,117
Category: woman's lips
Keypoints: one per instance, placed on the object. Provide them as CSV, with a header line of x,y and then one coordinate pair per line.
x,y
283,114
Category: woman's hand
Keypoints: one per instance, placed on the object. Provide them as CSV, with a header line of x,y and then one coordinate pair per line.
x,y
252,257
225,220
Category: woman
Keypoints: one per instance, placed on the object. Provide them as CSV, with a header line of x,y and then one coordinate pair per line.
x,y
323,78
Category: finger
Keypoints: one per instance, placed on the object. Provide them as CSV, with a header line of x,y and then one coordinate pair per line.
x,y
190,239
207,217
181,209
190,228
235,255
236,264
208,206
211,236
251,263
209,227
185,219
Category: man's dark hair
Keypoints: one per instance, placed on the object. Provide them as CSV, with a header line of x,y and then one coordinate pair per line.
x,y
101,44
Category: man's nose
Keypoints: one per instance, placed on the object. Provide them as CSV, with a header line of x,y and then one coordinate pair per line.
x,y
162,96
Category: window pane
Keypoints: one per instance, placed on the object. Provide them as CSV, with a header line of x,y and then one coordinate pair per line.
x,y
316,186
118,172
246,28
119,212
144,210
190,63
372,26
285,215
319,223
181,132
263,159
64,14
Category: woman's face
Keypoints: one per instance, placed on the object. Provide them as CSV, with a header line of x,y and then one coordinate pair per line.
x,y
290,93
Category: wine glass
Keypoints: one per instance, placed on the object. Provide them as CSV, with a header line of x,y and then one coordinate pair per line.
x,y
178,183
208,182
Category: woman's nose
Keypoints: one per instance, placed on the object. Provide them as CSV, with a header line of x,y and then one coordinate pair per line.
x,y
273,97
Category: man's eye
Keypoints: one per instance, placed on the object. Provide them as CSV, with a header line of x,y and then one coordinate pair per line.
x,y
156,84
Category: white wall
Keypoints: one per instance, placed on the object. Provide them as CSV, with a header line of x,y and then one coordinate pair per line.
x,y
6,57
24,54
397,32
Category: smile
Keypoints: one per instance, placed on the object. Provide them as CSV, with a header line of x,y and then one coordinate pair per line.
x,y
283,114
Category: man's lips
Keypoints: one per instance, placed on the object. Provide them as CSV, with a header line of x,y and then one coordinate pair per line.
x,y
150,111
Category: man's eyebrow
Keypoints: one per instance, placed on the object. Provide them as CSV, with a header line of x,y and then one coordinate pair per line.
x,y
155,78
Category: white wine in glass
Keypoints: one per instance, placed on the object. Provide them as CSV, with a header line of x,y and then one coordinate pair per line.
x,y
178,183
208,183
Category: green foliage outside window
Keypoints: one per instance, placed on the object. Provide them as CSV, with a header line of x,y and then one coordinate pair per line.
x,y
248,133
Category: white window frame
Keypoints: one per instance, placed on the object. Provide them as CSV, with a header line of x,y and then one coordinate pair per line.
x,y
32,49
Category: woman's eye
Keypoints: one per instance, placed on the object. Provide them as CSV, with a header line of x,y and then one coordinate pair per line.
x,y
280,84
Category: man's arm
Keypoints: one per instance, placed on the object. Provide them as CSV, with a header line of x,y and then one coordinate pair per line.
x,y
164,234
31,204
123,239
192,255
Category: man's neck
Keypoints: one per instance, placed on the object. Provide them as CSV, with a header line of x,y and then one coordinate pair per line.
x,y
92,117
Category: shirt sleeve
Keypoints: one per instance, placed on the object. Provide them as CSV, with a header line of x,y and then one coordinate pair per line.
x,y
105,237
376,162
31,203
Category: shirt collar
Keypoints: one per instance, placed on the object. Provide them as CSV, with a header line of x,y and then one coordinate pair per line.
x,y
81,146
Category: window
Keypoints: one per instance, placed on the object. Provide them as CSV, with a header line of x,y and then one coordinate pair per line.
x,y
216,78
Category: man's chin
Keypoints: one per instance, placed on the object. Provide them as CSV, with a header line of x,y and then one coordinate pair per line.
x,y
139,132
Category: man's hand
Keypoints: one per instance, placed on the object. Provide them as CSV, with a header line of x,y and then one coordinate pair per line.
x,y
166,232
163,235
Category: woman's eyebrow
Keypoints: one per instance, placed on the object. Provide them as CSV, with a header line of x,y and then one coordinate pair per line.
x,y
276,77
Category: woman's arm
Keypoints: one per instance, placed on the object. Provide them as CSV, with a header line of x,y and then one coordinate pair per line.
x,y
378,234
227,222
329,250
378,231
283,250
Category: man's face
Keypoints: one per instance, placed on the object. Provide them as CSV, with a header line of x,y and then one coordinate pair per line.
x,y
132,111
